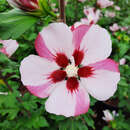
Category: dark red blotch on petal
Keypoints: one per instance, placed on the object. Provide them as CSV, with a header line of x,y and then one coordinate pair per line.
x,y
57,76
61,59
72,84
85,71
78,56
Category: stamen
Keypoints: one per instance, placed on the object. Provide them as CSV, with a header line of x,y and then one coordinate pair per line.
x,y
71,70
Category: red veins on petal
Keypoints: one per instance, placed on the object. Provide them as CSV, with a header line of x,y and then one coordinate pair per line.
x,y
72,84
78,56
61,59
57,76
85,71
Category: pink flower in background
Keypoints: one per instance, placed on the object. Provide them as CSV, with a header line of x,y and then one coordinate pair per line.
x,y
124,28
117,8
92,15
81,22
70,65
104,3
9,47
82,1
28,5
108,116
114,27
110,14
122,61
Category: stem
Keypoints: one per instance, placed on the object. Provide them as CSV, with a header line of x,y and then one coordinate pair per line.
x,y
62,10
11,90
20,100
4,79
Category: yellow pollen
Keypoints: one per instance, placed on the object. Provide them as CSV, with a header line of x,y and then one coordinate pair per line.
x,y
71,70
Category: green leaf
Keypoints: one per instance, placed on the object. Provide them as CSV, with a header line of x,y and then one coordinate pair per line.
x,y
106,128
44,5
37,121
57,118
123,48
72,124
14,23
12,112
89,121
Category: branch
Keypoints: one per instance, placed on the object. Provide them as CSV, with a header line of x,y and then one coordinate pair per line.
x,y
4,79
11,90
62,10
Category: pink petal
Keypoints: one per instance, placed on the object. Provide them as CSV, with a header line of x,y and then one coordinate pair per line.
x,y
57,37
122,61
41,91
82,102
3,50
104,3
10,46
63,102
36,70
41,48
78,35
102,85
107,64
83,21
115,27
92,15
97,44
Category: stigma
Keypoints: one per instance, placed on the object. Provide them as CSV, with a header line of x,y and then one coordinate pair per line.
x,y
71,70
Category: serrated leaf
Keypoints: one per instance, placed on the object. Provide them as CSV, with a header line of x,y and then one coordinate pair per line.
x,y
12,112
123,48
37,121
89,121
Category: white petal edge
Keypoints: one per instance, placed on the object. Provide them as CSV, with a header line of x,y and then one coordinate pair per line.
x,y
102,85
10,46
97,45
35,70
58,37
63,102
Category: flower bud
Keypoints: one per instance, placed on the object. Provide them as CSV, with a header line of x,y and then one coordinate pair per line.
x,y
27,5
34,7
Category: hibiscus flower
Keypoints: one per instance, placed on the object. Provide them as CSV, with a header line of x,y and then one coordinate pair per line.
x,y
92,17
70,65
8,47
104,3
